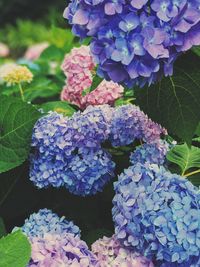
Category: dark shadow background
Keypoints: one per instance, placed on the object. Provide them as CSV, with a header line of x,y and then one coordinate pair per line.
x,y
11,10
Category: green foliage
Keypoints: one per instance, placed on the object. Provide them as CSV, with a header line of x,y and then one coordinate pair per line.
x,y
175,101
59,106
185,157
16,123
24,34
15,250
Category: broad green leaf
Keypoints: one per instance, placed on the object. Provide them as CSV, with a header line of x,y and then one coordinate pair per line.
x,y
2,228
175,101
16,122
15,250
185,157
59,106
95,82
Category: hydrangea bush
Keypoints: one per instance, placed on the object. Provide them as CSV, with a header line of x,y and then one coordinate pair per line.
x,y
96,150
69,151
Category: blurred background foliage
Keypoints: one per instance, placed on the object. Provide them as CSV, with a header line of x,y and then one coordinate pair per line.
x,y
26,22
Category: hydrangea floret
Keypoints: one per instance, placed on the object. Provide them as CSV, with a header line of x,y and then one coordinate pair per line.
x,y
154,153
4,50
109,252
136,42
157,213
46,222
60,251
79,67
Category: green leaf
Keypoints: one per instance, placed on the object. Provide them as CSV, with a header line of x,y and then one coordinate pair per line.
x,y
16,122
95,82
59,106
175,101
2,228
15,250
196,50
185,157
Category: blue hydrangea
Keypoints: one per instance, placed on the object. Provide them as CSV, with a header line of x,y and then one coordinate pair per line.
x,y
46,222
158,214
154,153
87,175
130,123
136,42
67,151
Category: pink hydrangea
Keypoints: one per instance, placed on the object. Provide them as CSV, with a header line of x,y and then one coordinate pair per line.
x,y
60,251
110,253
78,67
34,51
4,50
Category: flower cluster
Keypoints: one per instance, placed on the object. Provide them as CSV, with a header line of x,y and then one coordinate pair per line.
x,y
60,250
136,42
46,222
79,67
157,214
17,74
130,123
68,151
4,50
154,153
110,253
34,51
5,69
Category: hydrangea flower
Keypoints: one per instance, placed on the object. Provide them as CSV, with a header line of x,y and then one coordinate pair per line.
x,y
130,123
46,222
136,42
33,52
4,50
60,251
79,67
157,213
67,151
17,75
5,69
110,253
154,153
87,174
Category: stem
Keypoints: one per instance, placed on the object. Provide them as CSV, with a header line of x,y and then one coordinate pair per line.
x,y
21,92
192,173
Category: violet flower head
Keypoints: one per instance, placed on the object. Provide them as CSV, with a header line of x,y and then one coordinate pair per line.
x,y
60,250
109,252
154,153
164,29
157,213
67,152
130,123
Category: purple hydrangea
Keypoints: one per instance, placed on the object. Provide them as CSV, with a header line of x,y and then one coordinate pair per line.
x,y
130,123
136,42
60,251
110,253
46,222
157,213
67,151
154,153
